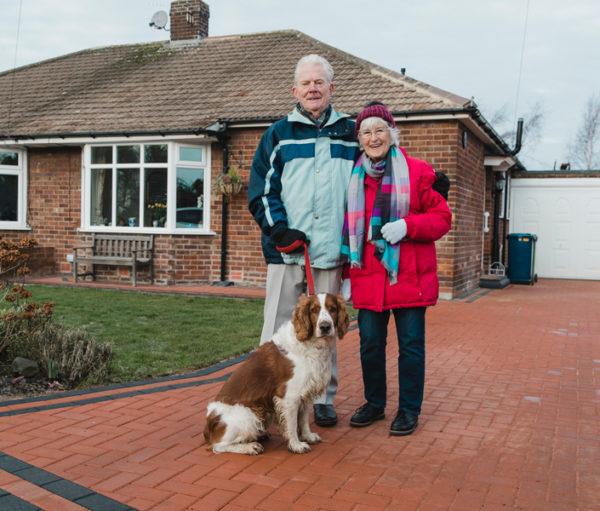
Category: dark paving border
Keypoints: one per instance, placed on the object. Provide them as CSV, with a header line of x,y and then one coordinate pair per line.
x,y
10,502
111,397
472,295
48,481
479,295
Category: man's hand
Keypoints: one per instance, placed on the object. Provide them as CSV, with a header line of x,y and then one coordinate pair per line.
x,y
442,184
289,241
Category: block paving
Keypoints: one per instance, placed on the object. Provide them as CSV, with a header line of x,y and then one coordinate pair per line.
x,y
510,421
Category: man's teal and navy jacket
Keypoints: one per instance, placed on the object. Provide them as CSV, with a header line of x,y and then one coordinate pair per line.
x,y
299,178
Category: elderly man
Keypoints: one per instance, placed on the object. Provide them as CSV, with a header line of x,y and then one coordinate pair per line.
x,y
297,193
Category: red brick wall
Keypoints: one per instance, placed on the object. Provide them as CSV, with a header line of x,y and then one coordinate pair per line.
x,y
468,206
459,251
245,262
54,206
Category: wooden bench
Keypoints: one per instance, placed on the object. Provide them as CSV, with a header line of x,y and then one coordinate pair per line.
x,y
115,250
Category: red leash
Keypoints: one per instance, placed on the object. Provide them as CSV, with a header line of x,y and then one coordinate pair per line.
x,y
309,277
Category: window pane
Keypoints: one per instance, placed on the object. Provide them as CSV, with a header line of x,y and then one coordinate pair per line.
x,y
156,198
102,154
190,154
128,154
9,158
101,200
9,188
190,197
156,153
128,197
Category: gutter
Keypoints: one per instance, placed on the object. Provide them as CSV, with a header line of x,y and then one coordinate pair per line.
x,y
102,134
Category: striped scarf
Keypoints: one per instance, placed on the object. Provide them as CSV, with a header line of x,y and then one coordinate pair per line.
x,y
392,202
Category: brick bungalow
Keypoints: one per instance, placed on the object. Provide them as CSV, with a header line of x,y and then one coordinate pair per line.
x,y
130,138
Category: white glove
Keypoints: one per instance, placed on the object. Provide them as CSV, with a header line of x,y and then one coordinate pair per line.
x,y
346,289
393,232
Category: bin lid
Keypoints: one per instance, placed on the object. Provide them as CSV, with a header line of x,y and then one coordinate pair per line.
x,y
525,236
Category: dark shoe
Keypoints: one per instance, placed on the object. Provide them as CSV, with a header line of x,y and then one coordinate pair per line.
x,y
366,415
404,423
325,416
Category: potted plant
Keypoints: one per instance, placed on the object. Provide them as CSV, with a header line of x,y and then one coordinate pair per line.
x,y
158,213
228,183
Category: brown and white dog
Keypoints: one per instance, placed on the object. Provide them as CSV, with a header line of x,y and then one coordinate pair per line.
x,y
278,382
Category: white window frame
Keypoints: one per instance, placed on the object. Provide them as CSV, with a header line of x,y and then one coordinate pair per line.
x,y
171,165
21,172
203,164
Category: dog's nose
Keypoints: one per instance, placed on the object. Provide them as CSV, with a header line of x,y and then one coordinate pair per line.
x,y
325,327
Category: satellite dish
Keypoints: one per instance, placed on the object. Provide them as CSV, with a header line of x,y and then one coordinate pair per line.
x,y
159,20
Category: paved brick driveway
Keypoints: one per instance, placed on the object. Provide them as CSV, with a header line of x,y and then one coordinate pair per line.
x,y
511,420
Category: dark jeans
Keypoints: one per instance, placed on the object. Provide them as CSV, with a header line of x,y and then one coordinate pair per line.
x,y
410,325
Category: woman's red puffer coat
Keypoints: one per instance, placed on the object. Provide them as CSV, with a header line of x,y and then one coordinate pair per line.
x,y
429,218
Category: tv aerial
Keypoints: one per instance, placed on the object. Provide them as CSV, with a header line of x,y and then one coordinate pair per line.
x,y
159,20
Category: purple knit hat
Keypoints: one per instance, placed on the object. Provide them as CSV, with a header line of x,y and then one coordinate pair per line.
x,y
374,109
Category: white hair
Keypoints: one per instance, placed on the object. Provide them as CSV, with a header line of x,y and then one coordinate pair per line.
x,y
314,59
370,122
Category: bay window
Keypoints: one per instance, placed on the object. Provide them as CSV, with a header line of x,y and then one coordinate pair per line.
x,y
147,186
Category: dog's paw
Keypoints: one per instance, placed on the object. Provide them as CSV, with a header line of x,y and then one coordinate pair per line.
x,y
311,438
255,448
298,447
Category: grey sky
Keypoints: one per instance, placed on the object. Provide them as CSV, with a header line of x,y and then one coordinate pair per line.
x,y
473,48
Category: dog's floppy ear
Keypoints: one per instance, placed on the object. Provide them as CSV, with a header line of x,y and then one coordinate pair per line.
x,y
343,320
301,319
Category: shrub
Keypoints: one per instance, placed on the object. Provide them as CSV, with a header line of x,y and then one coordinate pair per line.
x,y
28,330
77,356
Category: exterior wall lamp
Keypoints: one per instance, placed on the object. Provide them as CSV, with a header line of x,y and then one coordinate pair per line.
x,y
500,181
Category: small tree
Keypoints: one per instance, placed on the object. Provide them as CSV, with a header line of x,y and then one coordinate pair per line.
x,y
584,150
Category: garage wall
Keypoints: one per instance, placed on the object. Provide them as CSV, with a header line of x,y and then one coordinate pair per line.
x,y
565,215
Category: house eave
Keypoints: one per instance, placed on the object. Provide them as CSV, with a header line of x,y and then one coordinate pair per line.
x,y
500,163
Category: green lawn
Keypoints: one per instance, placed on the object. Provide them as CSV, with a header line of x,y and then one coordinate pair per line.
x,y
158,334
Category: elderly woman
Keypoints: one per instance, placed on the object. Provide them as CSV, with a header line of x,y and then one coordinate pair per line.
x,y
393,219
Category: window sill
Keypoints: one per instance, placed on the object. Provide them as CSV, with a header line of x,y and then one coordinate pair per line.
x,y
6,226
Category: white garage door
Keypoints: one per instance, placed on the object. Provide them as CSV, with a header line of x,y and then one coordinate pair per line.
x,y
564,213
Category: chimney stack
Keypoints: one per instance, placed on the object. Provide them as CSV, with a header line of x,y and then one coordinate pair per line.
x,y
189,20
